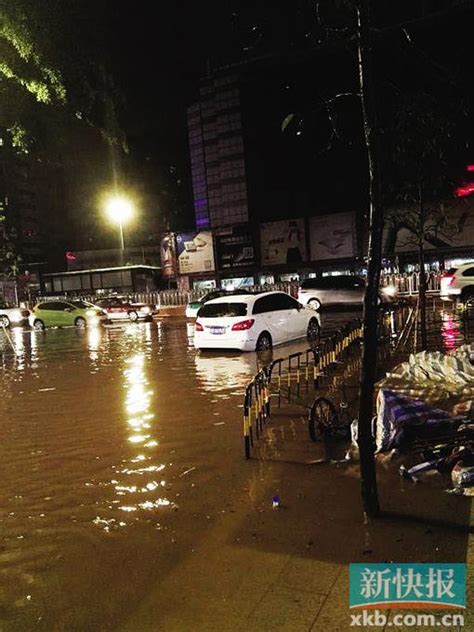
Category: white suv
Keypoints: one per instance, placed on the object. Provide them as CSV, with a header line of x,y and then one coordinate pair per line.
x,y
254,322
458,283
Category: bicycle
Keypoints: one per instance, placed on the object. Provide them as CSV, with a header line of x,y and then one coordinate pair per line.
x,y
326,422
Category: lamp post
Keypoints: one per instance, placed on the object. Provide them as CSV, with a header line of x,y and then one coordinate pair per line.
x,y
119,210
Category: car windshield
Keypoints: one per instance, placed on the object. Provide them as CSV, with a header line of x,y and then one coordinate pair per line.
x,y
80,304
211,295
216,310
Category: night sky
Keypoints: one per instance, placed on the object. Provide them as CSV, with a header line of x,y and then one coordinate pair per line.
x,y
158,51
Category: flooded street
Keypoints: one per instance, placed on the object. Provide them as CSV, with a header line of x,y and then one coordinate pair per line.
x,y
119,447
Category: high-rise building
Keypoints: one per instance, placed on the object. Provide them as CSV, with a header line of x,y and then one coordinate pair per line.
x,y
217,153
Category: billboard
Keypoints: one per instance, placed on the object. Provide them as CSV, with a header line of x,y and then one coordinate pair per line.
x,y
168,256
332,236
234,248
195,252
451,226
283,242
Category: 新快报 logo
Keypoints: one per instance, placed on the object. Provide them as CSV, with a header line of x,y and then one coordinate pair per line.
x,y
407,585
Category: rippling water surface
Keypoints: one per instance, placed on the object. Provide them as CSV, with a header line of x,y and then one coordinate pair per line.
x,y
118,447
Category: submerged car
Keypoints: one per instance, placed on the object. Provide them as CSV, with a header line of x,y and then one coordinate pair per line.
x,y
56,313
121,308
254,322
13,316
341,289
193,307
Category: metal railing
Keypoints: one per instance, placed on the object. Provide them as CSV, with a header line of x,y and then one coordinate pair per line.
x,y
286,377
406,285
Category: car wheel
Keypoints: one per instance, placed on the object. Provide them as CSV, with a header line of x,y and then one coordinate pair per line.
x,y
314,303
264,342
468,299
133,316
80,322
313,331
4,321
38,325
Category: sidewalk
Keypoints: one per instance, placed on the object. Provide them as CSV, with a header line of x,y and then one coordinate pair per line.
x,y
261,569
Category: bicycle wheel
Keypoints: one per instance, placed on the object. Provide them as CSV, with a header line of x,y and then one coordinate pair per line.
x,y
322,417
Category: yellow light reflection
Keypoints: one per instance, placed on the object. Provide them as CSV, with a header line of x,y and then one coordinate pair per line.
x,y
139,419
94,336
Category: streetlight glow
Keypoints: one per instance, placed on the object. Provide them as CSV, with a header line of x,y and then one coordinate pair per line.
x,y
119,210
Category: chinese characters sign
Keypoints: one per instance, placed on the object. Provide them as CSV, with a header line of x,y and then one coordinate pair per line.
x,y
407,585
234,246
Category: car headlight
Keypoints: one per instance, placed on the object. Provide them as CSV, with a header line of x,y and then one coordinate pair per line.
x,y
389,290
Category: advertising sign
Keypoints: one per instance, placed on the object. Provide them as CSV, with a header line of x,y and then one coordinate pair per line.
x,y
332,236
195,252
168,255
234,248
450,227
283,242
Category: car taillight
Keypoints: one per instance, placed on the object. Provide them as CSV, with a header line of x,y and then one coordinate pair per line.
x,y
244,324
448,279
198,327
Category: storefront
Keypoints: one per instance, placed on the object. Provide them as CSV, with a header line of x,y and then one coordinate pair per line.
x,y
119,279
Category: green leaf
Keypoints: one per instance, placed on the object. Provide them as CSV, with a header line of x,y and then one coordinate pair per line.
x,y
287,121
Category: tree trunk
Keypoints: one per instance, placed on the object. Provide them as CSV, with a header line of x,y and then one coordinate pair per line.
x,y
371,298
422,279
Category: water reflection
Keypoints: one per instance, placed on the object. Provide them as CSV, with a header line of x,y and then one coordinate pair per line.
x,y
142,475
450,331
226,371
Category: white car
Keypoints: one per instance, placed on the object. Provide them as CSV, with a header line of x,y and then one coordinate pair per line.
x,y
458,283
254,322
342,289
13,316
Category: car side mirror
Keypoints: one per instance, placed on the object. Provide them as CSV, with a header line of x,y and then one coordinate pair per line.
x,y
68,309
299,307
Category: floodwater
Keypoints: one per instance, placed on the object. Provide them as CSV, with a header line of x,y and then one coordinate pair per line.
x,y
119,447
120,452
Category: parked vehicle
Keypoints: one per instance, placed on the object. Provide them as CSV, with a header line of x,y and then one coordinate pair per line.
x,y
458,283
193,307
121,308
343,289
63,313
254,322
13,316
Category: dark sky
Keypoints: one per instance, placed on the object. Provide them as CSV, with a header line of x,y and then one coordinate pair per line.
x,y
157,52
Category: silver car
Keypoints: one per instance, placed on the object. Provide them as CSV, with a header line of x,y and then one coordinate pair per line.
x,y
342,289
13,316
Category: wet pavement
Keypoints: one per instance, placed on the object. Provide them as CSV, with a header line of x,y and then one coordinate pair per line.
x,y
119,448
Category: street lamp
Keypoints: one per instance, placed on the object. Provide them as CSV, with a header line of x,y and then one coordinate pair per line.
x,y
119,210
